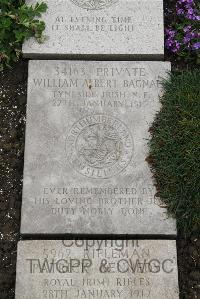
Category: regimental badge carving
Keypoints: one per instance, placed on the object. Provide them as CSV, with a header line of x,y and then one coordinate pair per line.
x,y
94,4
99,146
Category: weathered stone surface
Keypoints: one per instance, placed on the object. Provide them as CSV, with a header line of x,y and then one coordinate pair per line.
x,y
86,144
94,27
97,269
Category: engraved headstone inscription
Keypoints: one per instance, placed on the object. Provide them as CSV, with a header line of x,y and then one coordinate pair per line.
x,y
94,4
86,144
100,28
94,269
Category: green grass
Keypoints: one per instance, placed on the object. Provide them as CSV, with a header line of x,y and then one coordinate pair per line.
x,y
175,149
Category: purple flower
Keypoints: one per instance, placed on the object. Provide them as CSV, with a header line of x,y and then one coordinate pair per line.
x,y
187,28
186,39
196,46
170,32
191,17
187,9
169,42
192,34
177,45
180,11
190,11
188,6
186,1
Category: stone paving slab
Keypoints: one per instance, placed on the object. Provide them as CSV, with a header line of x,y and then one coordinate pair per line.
x,y
97,269
86,144
129,28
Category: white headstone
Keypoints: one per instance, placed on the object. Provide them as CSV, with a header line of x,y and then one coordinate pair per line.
x,y
101,27
97,269
86,144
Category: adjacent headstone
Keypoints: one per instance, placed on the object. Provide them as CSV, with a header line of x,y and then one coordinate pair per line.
x,y
86,144
94,269
133,28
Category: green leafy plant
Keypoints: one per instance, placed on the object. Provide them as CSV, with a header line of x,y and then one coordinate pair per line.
x,y
175,149
18,22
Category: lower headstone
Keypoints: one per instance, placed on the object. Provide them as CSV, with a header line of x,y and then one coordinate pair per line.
x,y
86,144
92,269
